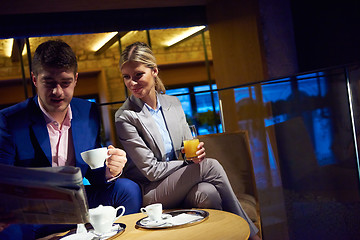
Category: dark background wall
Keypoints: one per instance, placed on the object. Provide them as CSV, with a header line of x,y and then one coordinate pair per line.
x,y
327,33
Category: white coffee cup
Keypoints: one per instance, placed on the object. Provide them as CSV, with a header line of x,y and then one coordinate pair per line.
x,y
95,158
103,217
154,211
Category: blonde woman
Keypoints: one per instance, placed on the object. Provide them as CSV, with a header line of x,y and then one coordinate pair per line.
x,y
151,127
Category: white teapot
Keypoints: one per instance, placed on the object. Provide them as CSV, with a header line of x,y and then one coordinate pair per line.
x,y
103,217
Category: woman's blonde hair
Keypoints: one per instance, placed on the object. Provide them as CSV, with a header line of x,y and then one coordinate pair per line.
x,y
140,52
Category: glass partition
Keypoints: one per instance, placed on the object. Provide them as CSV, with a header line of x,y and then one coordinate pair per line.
x,y
303,133
198,103
303,142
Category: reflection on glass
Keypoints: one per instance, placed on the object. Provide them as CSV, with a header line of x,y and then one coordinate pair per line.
x,y
184,99
200,110
303,149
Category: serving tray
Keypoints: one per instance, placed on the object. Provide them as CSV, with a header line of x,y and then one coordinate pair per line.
x,y
194,216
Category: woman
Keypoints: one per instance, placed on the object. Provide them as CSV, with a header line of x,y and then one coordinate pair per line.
x,y
151,127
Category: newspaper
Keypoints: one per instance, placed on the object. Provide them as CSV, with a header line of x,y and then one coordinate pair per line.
x,y
48,195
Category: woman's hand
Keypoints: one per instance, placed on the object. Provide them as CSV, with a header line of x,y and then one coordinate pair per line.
x,y
200,153
117,160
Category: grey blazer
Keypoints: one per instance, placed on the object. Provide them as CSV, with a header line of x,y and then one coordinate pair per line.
x,y
142,141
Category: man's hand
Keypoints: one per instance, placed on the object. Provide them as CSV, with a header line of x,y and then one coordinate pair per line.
x,y
6,218
117,160
3,226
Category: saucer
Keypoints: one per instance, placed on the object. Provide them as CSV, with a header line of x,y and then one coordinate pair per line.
x,y
117,229
147,222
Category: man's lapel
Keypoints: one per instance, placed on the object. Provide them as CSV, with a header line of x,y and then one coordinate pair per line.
x,y
40,130
81,136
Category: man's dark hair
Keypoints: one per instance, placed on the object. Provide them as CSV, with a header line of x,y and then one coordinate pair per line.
x,y
54,54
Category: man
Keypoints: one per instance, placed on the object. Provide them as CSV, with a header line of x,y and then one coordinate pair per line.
x,y
53,128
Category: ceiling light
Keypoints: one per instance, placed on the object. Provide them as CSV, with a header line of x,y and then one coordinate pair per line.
x,y
104,40
129,35
183,35
24,52
110,42
8,45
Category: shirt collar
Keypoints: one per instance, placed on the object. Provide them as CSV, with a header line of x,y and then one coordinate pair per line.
x,y
50,119
157,107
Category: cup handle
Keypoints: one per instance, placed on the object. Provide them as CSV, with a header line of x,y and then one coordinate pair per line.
x,y
122,213
143,210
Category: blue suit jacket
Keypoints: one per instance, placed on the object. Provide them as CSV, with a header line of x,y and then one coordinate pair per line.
x,y
24,139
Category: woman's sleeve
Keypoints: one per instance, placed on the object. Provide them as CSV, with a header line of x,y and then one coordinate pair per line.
x,y
139,152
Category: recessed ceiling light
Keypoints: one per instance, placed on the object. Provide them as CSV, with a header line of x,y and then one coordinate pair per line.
x,y
184,35
104,40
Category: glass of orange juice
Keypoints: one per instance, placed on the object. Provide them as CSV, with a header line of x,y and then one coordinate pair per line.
x,y
190,145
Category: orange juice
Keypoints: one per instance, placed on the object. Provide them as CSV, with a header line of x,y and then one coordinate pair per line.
x,y
190,147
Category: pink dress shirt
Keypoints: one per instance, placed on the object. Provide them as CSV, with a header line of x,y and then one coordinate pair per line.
x,y
62,147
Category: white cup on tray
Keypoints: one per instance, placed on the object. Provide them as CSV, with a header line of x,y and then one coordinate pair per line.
x,y
154,211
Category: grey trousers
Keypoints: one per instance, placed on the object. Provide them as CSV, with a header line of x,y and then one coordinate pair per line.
x,y
203,185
